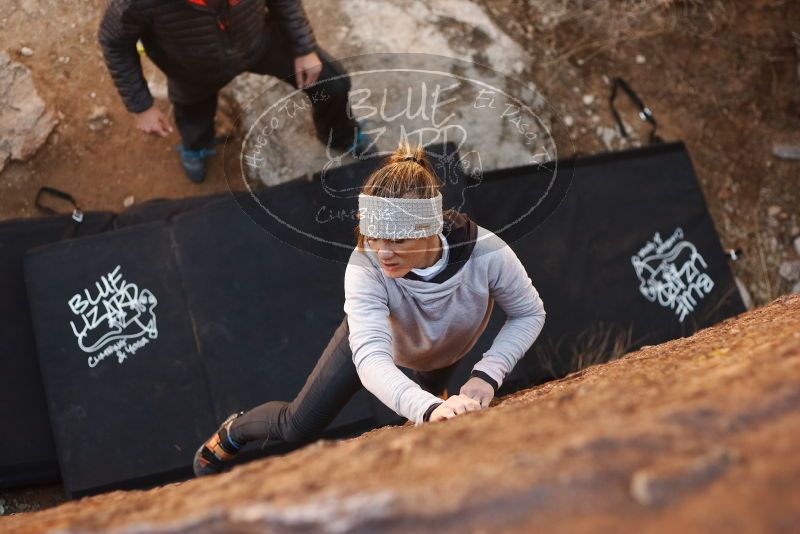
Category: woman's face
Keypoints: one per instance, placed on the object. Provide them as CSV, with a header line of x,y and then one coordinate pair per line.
x,y
398,257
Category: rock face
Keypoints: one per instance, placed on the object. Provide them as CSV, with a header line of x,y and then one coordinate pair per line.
x,y
697,434
25,121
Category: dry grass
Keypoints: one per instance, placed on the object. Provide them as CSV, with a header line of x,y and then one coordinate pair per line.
x,y
601,342
604,25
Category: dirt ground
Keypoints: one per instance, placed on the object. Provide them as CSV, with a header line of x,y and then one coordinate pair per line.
x,y
719,75
695,435
722,76
100,168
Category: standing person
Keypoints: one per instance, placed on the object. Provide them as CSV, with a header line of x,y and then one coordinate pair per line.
x,y
419,290
201,45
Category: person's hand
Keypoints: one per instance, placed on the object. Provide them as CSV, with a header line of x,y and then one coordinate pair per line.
x,y
307,69
153,121
453,406
479,390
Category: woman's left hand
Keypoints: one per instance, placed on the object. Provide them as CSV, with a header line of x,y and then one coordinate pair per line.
x,y
307,69
479,390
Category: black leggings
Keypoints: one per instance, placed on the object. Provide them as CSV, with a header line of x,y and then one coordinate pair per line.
x,y
329,387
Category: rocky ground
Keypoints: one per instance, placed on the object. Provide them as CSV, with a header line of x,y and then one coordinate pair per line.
x,y
721,75
699,434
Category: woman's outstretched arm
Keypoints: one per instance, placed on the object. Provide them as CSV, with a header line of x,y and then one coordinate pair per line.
x,y
513,290
366,306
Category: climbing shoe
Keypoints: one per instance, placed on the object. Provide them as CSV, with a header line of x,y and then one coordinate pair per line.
x,y
362,144
219,449
194,162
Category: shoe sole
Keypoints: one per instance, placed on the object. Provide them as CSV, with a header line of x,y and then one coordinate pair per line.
x,y
200,448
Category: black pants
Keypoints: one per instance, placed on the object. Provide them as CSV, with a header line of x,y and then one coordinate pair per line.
x,y
195,103
329,387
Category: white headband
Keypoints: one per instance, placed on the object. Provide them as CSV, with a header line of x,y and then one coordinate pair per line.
x,y
399,218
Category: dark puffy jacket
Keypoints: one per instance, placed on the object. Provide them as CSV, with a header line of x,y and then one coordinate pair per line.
x,y
191,42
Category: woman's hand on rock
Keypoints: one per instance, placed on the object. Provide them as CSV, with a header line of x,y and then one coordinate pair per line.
x,y
453,406
479,390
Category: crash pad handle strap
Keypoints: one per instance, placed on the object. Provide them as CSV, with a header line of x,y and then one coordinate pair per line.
x,y
77,213
644,112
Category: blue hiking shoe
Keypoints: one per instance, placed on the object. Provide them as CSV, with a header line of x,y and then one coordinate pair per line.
x,y
194,162
362,145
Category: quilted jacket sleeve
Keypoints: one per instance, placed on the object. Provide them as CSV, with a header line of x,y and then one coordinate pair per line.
x,y
292,17
119,30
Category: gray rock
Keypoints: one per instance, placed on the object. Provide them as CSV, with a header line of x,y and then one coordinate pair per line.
x,y
330,514
473,119
797,244
790,270
25,120
672,479
98,118
786,151
607,135
156,80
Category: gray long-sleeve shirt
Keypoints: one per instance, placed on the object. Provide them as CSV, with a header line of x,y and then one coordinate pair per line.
x,y
424,326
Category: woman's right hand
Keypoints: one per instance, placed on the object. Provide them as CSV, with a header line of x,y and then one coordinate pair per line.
x,y
453,406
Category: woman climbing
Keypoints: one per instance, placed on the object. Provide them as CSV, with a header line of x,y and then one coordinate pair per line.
x,y
419,290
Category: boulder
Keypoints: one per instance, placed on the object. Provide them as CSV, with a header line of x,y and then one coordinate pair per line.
x,y
25,119
698,434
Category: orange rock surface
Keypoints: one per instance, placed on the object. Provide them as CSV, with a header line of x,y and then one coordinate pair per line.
x,y
697,434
